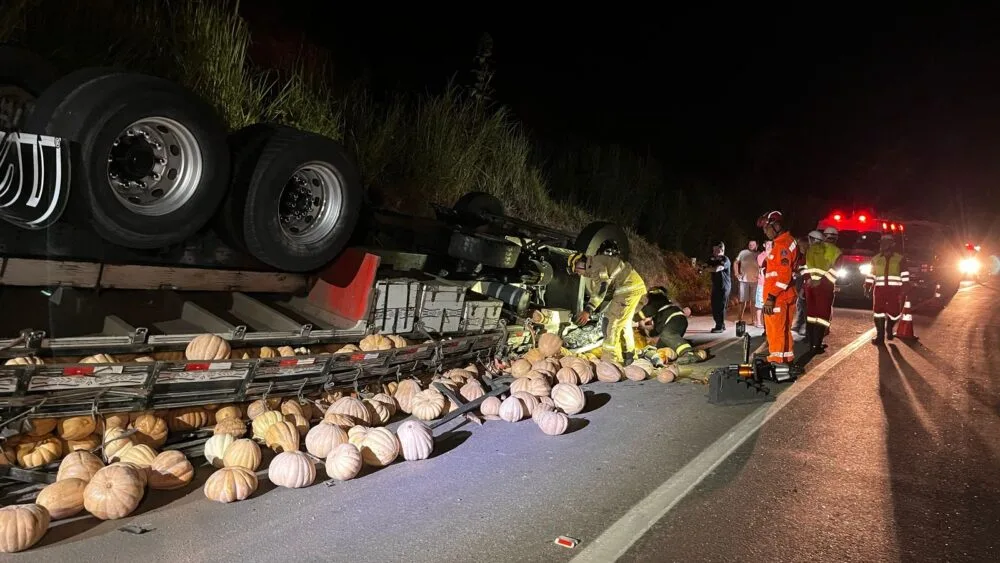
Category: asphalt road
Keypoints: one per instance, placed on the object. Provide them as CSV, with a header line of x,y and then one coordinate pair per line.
x,y
506,491
892,455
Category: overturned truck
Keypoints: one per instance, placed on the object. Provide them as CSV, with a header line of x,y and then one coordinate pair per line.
x,y
137,230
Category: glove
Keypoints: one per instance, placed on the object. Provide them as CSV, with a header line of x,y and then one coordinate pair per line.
x,y
582,319
769,306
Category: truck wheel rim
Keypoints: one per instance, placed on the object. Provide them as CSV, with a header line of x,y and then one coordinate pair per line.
x,y
309,206
155,166
15,105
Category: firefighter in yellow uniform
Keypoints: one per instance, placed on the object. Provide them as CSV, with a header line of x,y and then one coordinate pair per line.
x,y
619,290
821,261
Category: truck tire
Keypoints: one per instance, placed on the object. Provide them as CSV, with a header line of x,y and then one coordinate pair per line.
x,y
151,165
567,291
476,202
484,249
302,201
24,75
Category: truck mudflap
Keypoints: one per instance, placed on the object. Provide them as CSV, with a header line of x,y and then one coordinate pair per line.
x,y
30,391
34,179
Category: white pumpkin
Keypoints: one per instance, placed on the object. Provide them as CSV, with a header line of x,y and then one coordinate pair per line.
x,y
416,440
293,470
215,448
324,437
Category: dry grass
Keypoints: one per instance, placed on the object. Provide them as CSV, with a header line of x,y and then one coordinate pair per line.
x,y
414,151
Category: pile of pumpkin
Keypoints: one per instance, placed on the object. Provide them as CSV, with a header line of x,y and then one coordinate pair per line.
x,y
551,360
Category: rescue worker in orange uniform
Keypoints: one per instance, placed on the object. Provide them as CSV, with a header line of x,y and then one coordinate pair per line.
x,y
821,279
620,291
887,284
779,294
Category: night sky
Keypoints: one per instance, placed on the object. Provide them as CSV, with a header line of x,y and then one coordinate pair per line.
x,y
864,106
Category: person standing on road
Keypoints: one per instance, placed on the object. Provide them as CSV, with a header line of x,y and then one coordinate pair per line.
x,y
761,258
887,285
798,279
746,274
722,284
620,291
779,303
821,260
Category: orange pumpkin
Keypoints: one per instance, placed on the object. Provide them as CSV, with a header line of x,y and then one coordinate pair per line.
x,y
242,453
282,437
207,347
230,484
21,526
151,430
42,426
114,492
63,498
39,452
170,470
76,427
187,419
233,426
79,465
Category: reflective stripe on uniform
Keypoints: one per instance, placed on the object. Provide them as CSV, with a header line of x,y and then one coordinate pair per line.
x,y
682,348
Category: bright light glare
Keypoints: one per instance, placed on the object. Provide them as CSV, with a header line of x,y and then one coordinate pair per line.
x,y
842,273
969,266
977,248
865,269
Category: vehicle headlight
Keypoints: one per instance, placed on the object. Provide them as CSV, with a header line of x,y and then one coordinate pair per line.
x,y
969,266
865,269
841,273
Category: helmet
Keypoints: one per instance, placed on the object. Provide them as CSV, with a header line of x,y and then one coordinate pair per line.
x,y
831,231
815,235
572,261
609,248
769,218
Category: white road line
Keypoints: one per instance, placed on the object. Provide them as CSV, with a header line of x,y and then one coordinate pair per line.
x,y
620,536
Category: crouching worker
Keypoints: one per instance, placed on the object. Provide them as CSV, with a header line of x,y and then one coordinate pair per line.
x,y
619,289
661,325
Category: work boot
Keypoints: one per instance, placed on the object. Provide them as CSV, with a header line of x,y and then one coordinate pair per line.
x,y
628,358
688,358
890,334
879,332
817,342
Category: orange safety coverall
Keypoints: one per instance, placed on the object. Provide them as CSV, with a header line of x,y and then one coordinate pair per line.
x,y
778,268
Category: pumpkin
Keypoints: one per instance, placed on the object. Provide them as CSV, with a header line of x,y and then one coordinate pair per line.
x,y
144,359
256,409
348,349
25,361
405,391
490,406
702,355
645,365
539,386
428,404
99,359
608,372
116,441
114,492
567,375
286,351
293,406
356,435
511,409
282,437
352,408
375,343
520,385
397,341
549,344
243,453
388,401
415,439
187,419
116,420
552,423
215,448
457,375
379,447
42,426
293,470
377,412
546,401
142,472
528,402
324,437
63,498
232,426
86,443
228,411
343,462
300,423
170,470
569,398
472,369
37,453
533,355
520,368
584,370
472,390
267,352
21,526
207,347
230,484
547,366
668,374
540,409
634,373
150,430
141,455
338,419
76,427
264,421
79,465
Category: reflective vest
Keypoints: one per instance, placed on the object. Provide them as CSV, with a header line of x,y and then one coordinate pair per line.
x,y
888,271
821,260
778,268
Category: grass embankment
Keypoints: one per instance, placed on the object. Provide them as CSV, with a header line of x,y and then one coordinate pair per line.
x,y
413,150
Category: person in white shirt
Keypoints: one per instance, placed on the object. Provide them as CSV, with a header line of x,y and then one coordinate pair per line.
x,y
747,270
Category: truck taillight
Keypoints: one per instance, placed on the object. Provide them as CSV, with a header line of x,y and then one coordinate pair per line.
x,y
78,371
892,226
862,218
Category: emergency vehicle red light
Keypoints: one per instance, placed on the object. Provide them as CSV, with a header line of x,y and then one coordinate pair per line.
x,y
862,218
836,216
893,226
885,225
901,228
